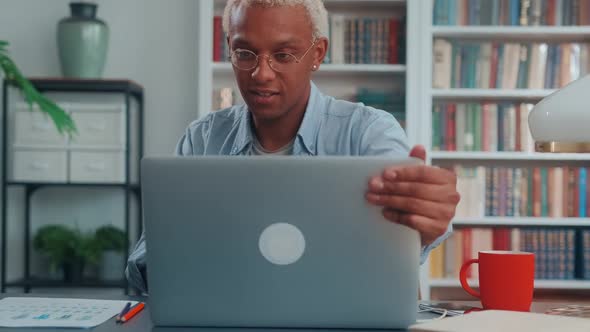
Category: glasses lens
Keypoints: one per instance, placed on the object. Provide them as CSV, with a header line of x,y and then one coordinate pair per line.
x,y
244,59
281,61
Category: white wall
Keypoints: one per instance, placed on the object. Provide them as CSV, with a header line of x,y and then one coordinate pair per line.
x,y
153,42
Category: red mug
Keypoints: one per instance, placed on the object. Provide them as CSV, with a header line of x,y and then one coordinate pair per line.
x,y
506,279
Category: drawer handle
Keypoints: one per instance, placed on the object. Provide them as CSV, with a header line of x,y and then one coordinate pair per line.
x,y
95,167
97,126
41,125
39,166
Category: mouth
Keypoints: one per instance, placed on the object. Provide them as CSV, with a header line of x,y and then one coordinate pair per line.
x,y
263,96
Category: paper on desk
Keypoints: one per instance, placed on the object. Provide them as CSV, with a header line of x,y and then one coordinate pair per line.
x,y
506,321
57,312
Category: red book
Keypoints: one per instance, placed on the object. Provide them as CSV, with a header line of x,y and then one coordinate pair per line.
x,y
394,31
550,12
217,36
494,64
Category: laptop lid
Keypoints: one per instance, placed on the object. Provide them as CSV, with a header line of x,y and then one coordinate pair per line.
x,y
275,242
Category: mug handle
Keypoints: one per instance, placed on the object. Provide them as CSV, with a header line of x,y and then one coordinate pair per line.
x,y
463,277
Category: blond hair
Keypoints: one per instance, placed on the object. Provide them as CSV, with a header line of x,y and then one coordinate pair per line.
x,y
315,9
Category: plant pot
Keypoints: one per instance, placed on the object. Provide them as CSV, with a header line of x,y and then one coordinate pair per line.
x,y
82,42
73,272
112,266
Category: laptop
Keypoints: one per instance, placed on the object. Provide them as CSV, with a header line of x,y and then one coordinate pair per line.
x,y
284,242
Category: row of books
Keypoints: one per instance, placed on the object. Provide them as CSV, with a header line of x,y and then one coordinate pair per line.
x,y
481,127
511,12
560,253
355,40
366,40
467,64
394,103
534,192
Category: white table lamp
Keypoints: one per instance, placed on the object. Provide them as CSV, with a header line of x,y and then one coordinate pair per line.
x,y
561,121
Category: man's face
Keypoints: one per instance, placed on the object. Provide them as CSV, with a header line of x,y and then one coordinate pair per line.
x,y
271,95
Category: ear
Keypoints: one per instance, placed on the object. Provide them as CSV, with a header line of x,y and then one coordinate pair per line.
x,y
319,52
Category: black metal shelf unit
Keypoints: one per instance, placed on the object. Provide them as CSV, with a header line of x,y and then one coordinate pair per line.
x,y
129,90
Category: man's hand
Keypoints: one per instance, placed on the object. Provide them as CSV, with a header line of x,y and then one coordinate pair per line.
x,y
421,197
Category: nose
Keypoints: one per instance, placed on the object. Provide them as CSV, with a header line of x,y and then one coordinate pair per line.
x,y
263,72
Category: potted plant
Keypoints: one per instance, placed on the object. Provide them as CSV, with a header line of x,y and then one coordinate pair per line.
x,y
70,250
62,120
111,241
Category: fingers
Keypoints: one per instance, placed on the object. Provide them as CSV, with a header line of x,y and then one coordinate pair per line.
x,y
429,192
419,173
418,151
406,204
429,229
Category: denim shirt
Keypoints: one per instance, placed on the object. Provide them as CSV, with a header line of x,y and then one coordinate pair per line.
x,y
329,127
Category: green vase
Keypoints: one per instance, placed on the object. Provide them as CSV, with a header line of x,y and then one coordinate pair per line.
x,y
82,42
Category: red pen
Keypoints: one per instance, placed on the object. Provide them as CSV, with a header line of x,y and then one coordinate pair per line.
x,y
132,312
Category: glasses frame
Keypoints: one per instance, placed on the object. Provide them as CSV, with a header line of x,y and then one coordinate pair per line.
x,y
269,58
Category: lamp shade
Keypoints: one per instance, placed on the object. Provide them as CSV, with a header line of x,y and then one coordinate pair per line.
x,y
561,121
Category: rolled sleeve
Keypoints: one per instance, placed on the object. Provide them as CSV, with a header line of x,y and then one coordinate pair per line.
x,y
427,249
136,266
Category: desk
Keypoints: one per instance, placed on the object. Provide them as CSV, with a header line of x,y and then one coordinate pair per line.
x,y
143,323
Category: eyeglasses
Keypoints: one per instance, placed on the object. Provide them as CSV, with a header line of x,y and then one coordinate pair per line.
x,y
279,61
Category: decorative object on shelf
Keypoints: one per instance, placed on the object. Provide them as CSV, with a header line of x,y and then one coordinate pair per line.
x,y
559,122
82,42
111,241
70,250
62,120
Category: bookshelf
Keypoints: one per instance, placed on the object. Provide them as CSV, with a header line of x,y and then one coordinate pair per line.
x,y
414,79
496,34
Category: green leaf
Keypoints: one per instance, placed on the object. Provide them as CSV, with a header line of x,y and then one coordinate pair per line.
x,y
63,122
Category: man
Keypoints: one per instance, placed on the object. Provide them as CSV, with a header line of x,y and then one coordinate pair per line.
x,y
275,47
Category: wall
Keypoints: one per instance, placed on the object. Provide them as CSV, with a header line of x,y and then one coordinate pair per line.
x,y
153,42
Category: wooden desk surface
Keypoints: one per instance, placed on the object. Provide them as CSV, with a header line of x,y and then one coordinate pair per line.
x,y
143,323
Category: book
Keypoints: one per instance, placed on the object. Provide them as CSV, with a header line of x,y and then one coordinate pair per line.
x,y
508,321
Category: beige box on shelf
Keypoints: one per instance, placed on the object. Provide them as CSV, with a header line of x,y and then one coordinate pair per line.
x,y
39,165
97,167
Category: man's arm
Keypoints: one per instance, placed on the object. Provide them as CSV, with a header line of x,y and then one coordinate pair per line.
x,y
136,266
411,199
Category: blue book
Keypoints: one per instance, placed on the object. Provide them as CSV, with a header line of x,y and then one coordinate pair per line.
x,y
550,68
452,12
514,12
582,194
499,70
500,127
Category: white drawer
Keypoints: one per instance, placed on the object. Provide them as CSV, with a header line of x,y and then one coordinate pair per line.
x,y
97,167
43,166
99,129
36,128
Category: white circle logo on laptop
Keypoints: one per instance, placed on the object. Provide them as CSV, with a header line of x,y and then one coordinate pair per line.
x,y
282,244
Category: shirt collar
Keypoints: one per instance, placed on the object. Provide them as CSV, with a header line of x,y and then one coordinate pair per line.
x,y
307,130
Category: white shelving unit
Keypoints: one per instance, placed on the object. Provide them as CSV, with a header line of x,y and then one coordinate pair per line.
x,y
497,34
520,222
415,77
458,156
539,284
490,94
